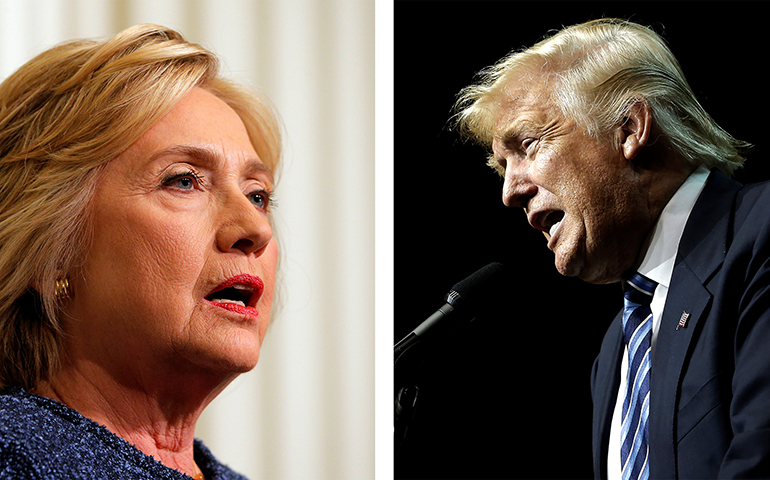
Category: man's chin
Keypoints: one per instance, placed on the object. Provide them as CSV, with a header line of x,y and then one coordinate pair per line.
x,y
575,266
600,276
569,265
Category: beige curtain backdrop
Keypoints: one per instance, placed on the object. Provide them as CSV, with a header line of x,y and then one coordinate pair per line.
x,y
307,410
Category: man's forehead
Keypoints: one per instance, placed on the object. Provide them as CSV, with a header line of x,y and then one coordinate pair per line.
x,y
522,102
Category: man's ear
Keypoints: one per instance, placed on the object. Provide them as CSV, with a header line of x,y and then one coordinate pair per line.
x,y
636,129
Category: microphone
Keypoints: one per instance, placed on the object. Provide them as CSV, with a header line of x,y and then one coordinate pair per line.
x,y
466,296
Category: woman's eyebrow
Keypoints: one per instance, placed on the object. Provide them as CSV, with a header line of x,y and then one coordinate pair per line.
x,y
210,157
256,167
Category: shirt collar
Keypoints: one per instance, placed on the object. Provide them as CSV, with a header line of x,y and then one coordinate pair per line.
x,y
658,261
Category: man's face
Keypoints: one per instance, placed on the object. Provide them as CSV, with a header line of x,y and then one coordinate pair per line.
x,y
580,191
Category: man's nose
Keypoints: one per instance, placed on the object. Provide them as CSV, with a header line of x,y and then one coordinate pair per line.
x,y
518,188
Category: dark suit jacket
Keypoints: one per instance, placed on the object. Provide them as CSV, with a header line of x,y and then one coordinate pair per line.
x,y
710,380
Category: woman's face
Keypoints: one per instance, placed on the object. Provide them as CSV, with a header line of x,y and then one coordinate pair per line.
x,y
182,264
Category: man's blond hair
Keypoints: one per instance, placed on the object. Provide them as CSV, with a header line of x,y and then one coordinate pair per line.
x,y
598,70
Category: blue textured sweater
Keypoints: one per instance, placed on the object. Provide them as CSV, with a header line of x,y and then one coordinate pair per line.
x,y
44,439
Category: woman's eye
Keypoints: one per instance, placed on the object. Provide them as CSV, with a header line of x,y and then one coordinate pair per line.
x,y
183,181
261,199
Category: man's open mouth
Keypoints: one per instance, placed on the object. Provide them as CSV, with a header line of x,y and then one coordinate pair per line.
x,y
552,221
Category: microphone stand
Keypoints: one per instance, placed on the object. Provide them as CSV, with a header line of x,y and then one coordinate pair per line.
x,y
406,396
407,391
469,292
406,405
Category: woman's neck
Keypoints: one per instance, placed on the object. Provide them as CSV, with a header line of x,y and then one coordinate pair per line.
x,y
157,416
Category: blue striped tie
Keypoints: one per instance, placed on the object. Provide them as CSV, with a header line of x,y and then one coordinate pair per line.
x,y
637,329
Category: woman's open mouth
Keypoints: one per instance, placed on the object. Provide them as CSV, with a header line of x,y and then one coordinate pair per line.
x,y
238,294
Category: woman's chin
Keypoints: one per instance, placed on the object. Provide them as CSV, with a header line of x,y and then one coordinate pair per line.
x,y
226,344
233,354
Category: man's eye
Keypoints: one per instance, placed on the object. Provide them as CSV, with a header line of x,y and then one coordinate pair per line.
x,y
528,143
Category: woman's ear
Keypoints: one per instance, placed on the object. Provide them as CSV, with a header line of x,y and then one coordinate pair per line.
x,y
636,129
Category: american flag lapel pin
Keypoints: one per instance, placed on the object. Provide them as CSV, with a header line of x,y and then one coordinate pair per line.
x,y
683,320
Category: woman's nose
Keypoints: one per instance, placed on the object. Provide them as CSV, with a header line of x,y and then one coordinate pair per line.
x,y
244,228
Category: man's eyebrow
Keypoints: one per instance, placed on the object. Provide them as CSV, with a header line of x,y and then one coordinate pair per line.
x,y
514,130
211,157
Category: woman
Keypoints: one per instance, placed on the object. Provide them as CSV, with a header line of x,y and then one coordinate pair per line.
x,y
137,260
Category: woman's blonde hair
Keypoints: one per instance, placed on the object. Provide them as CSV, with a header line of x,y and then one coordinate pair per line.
x,y
63,116
599,69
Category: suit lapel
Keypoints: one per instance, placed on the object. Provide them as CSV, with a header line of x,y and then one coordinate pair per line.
x,y
701,253
605,393
689,298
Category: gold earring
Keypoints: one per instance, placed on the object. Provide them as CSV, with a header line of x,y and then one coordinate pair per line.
x,y
62,289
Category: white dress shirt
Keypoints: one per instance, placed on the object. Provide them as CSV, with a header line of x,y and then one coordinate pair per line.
x,y
657,265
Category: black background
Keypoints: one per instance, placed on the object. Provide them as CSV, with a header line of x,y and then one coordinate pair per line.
x,y
508,396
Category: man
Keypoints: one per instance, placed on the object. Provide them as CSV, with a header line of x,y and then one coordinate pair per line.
x,y
603,144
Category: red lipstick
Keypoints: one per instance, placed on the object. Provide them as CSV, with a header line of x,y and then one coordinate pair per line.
x,y
238,294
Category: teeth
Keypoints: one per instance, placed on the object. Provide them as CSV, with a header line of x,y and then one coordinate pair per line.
x,y
553,228
227,300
